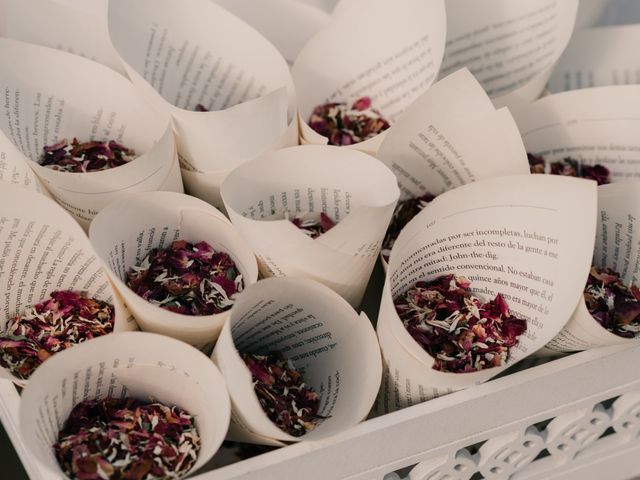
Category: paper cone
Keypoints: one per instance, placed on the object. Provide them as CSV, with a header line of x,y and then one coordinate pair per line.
x,y
618,248
598,57
304,180
146,366
84,100
511,47
592,126
321,334
484,232
452,135
405,45
288,24
44,251
125,232
80,27
179,54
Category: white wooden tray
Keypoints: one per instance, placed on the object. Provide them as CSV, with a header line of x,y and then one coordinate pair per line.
x,y
577,417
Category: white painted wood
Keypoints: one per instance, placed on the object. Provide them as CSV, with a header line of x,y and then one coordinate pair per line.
x,y
566,393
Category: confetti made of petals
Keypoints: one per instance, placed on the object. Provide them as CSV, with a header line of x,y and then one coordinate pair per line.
x,y
613,304
311,226
127,439
187,278
536,163
92,156
457,329
570,167
283,395
65,319
403,214
346,126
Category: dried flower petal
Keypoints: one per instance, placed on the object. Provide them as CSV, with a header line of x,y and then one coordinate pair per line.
x,y
536,163
126,439
347,126
403,214
201,108
192,279
65,319
286,399
460,332
92,156
314,227
613,304
570,167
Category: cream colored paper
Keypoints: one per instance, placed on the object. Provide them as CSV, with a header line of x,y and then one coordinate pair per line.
x,y
181,53
3,18
134,364
509,46
82,99
621,12
353,188
125,232
324,5
527,237
618,248
450,136
598,57
75,26
594,126
334,347
590,12
288,24
389,51
14,167
45,250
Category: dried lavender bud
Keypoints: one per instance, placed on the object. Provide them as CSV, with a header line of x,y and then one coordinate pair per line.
x,y
125,439
460,332
613,304
283,395
65,319
312,226
187,278
85,157
345,126
403,214
570,167
201,108
536,163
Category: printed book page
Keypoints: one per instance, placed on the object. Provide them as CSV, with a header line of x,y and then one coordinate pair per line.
x,y
127,230
528,238
84,100
510,47
618,248
394,69
139,364
450,136
593,126
334,347
599,57
195,55
45,250
302,181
